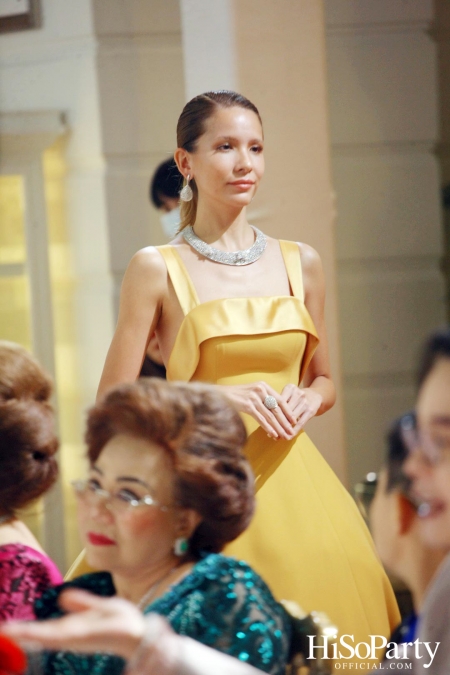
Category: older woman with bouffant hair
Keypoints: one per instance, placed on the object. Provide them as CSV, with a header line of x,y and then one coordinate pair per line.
x,y
168,487
203,441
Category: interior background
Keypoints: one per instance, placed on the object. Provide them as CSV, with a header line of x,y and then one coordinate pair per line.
x,y
355,99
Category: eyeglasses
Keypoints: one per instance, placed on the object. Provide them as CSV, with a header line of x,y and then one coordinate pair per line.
x,y
120,502
365,492
432,446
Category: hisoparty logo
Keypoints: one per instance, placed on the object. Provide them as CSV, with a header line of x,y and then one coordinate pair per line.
x,y
345,648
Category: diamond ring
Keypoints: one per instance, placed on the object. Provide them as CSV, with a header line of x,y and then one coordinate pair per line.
x,y
270,402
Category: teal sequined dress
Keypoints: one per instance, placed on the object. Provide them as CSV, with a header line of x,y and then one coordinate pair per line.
x,y
222,603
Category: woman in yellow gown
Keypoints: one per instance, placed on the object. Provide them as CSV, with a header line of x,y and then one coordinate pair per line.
x,y
253,324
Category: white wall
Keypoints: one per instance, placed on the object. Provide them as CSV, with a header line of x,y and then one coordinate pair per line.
x,y
209,46
115,70
54,68
383,113
141,89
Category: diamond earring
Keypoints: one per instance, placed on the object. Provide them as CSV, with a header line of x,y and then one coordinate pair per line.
x,y
186,193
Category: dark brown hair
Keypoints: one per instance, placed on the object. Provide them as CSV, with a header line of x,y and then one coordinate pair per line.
x,y
191,125
203,436
435,348
27,429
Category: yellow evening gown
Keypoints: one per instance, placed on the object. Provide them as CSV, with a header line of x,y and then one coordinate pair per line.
x,y
307,539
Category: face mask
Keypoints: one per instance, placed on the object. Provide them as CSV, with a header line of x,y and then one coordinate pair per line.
x,y
170,222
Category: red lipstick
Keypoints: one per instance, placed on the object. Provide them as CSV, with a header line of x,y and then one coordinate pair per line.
x,y
99,539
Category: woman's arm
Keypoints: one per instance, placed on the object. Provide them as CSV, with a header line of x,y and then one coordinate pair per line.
x,y
318,375
94,624
317,395
143,289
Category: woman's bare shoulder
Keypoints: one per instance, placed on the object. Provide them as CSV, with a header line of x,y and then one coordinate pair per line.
x,y
147,261
308,254
309,257
146,274
312,271
311,261
148,258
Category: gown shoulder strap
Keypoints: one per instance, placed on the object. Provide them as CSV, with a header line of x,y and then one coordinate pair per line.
x,y
293,262
181,281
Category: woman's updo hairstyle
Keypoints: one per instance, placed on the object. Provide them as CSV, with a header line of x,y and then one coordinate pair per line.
x,y
191,125
203,436
27,429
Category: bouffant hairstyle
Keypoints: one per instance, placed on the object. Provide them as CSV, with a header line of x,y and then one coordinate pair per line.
x,y
192,124
203,436
27,429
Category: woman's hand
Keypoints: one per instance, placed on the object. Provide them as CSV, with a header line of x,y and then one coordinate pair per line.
x,y
249,398
109,625
92,624
305,403
116,626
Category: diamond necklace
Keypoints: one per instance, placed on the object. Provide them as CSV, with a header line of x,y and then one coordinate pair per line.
x,y
227,257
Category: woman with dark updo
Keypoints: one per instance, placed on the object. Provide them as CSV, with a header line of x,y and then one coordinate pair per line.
x,y
27,469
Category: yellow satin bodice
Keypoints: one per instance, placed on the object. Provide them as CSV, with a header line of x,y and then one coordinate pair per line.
x,y
243,340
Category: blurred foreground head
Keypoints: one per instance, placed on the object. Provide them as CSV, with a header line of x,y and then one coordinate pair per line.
x,y
428,463
395,523
27,429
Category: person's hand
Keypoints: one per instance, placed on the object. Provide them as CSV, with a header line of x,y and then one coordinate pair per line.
x,y
92,624
249,398
116,626
304,404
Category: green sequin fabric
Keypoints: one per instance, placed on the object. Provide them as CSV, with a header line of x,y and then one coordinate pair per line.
x,y
222,603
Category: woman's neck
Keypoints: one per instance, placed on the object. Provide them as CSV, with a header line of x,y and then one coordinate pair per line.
x,y
135,586
14,531
225,229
